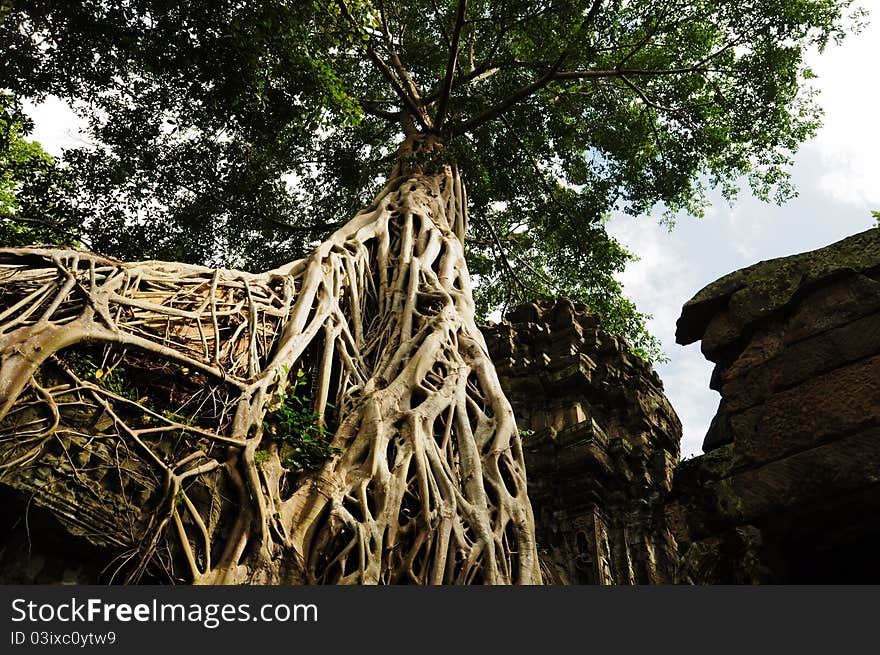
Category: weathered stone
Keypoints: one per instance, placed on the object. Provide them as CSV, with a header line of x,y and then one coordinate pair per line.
x,y
767,343
843,301
528,313
721,331
789,487
771,285
720,432
837,403
733,557
602,447
809,476
802,361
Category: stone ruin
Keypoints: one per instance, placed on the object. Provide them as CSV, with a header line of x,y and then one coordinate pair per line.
x,y
788,490
601,445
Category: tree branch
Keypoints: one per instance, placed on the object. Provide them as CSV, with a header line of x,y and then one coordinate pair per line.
x,y
384,69
699,67
390,116
451,64
524,92
441,25
401,70
475,74
644,96
507,268
644,41
630,72
520,94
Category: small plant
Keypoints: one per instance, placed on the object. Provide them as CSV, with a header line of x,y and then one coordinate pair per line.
x,y
261,457
81,363
303,441
111,378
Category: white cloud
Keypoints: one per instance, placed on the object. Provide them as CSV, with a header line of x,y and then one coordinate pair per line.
x,y
849,141
686,381
56,126
852,178
659,283
657,277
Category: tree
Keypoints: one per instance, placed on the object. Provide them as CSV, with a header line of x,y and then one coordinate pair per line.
x,y
35,192
552,113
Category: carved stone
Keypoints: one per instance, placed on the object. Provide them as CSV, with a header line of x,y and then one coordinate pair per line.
x,y
601,444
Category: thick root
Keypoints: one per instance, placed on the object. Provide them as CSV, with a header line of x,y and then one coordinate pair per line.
x,y
430,484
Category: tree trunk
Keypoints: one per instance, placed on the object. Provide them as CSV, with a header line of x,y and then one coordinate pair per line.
x,y
429,484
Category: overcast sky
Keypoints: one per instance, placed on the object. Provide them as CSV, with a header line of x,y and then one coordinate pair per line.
x,y
838,177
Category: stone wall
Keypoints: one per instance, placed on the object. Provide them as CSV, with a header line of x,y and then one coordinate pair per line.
x,y
789,488
601,444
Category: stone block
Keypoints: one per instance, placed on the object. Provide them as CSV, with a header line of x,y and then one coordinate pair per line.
x,y
527,313
721,332
769,287
803,361
585,430
830,405
767,342
720,432
848,464
840,302
571,376
563,313
584,459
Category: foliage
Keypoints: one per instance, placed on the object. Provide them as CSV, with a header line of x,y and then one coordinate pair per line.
x,y
197,110
299,432
107,375
205,113
35,192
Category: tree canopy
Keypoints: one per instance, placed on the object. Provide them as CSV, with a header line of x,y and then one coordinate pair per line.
x,y
241,133
35,192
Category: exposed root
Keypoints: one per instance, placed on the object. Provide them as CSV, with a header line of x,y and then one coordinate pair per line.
x,y
430,485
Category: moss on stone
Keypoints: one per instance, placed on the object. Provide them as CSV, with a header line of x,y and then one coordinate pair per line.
x,y
770,285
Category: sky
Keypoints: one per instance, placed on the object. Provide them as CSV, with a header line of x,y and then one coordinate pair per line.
x,y
837,174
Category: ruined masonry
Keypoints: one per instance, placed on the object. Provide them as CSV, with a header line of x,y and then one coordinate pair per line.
x,y
789,488
601,445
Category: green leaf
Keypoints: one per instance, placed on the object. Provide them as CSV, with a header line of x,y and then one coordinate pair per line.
x,y
642,108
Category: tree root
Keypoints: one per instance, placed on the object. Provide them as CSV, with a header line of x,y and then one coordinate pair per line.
x,y
430,484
